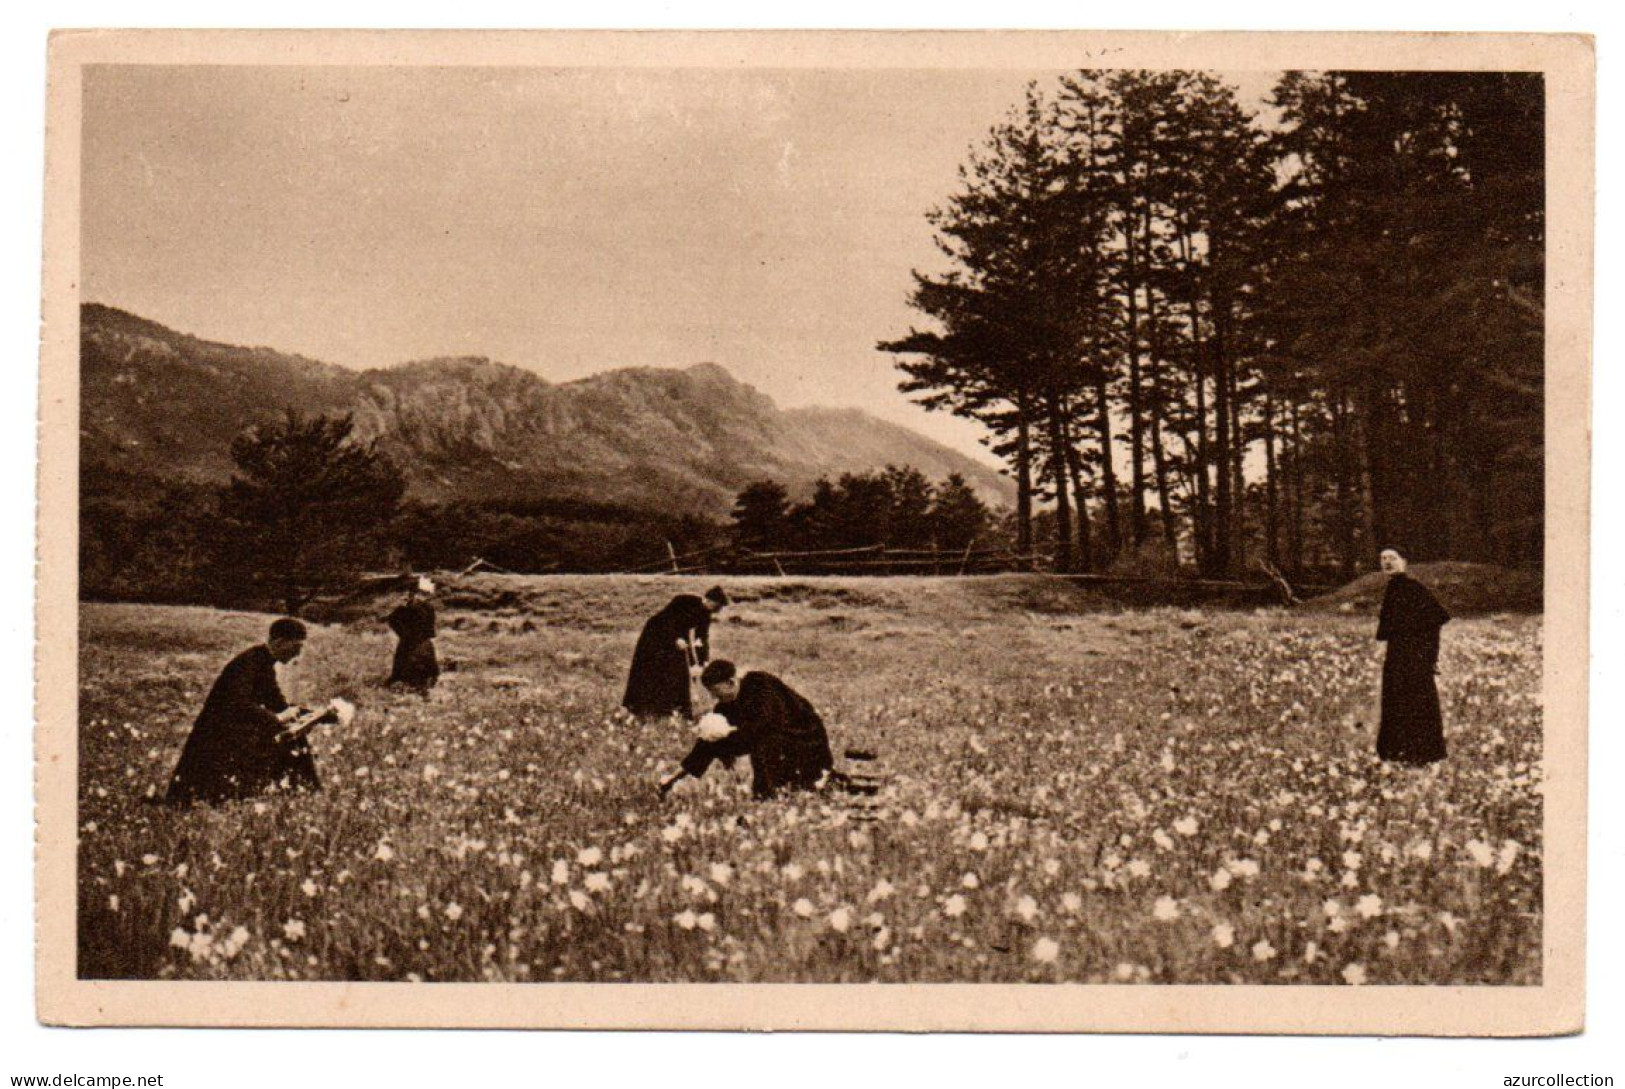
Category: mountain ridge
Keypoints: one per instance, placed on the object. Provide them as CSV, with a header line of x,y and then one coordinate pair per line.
x,y
160,403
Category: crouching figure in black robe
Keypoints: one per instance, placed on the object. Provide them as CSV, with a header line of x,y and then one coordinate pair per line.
x,y
674,646
772,724
416,665
238,746
1412,726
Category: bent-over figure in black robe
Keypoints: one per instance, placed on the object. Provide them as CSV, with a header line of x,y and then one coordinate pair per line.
x,y
658,683
778,729
233,751
1412,726
416,664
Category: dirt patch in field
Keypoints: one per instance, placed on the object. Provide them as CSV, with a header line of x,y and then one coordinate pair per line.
x,y
1036,594
1466,589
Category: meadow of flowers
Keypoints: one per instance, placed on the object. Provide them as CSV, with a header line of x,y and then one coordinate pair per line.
x,y
1071,793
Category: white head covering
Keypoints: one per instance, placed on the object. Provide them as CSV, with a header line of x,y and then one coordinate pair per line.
x,y
425,584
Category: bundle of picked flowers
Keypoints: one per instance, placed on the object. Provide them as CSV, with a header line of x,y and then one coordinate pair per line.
x,y
713,727
338,712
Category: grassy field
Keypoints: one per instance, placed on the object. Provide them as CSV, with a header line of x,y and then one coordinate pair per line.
x,y
1073,793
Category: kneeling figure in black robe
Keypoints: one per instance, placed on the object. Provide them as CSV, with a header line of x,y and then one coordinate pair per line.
x,y
773,724
673,641
413,622
236,748
1412,724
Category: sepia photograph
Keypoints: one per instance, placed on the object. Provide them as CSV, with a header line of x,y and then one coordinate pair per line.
x,y
1099,520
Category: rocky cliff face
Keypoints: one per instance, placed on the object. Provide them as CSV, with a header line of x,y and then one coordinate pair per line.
x,y
163,404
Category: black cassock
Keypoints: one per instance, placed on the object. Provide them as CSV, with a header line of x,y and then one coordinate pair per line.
x,y
1412,726
415,661
778,729
232,751
658,683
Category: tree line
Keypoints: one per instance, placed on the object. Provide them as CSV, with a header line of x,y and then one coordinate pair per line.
x,y
895,508
1227,339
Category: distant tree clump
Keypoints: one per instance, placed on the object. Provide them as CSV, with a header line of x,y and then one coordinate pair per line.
x,y
761,516
894,508
307,508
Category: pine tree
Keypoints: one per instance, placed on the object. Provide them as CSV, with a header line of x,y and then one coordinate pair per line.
x,y
306,507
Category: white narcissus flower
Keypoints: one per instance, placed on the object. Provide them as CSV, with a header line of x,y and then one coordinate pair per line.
x,y
454,911
597,882
840,919
343,711
1046,950
1166,909
235,941
803,907
686,919
1369,906
589,856
1186,826
1263,950
293,930
1354,975
1224,935
954,906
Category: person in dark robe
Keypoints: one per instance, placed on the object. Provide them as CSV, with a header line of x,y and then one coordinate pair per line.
x,y
1412,730
674,646
241,744
773,725
416,666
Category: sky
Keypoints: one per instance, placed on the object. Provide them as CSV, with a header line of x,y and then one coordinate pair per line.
x,y
565,220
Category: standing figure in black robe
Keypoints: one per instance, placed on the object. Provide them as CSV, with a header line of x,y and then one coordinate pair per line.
x,y
674,645
416,664
238,747
1412,726
773,724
